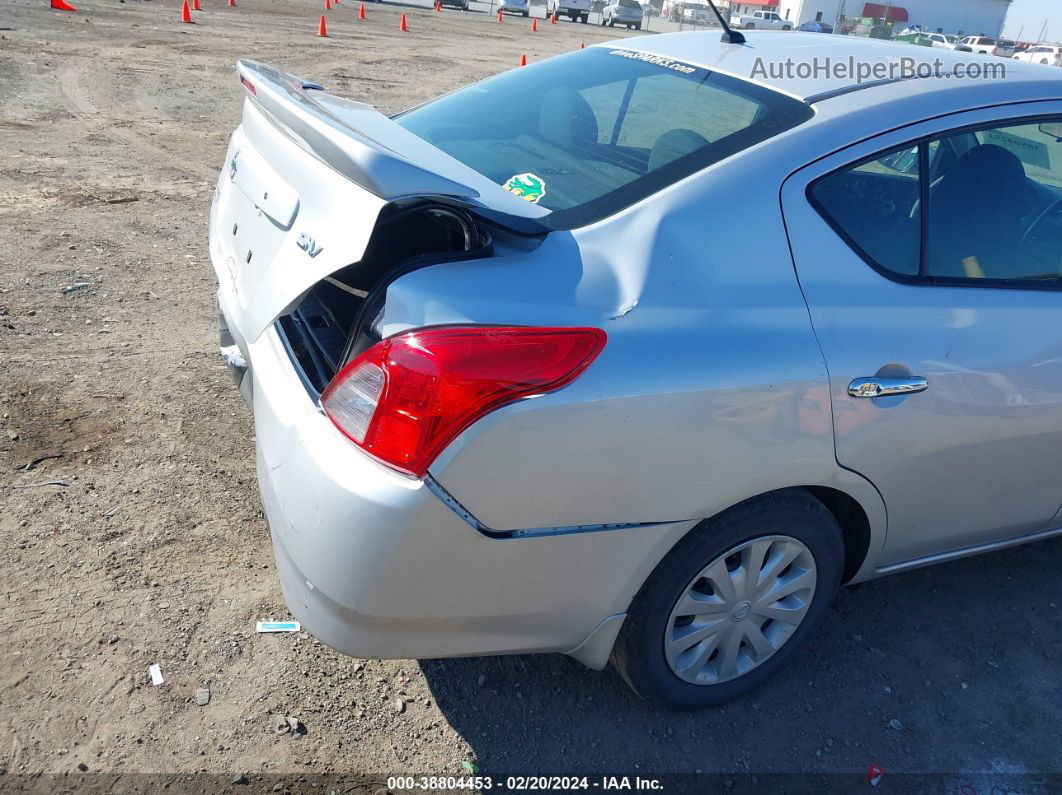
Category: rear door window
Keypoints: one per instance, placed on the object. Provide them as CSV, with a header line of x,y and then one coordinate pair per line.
x,y
980,207
591,132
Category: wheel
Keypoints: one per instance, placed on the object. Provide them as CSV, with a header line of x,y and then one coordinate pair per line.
x,y
787,27
638,26
1044,62
750,26
584,18
527,13
703,630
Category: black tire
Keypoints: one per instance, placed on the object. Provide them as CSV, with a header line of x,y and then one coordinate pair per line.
x,y
638,26
750,26
527,13
638,655
584,18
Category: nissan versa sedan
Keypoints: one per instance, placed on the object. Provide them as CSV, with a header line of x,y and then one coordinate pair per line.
x,y
637,354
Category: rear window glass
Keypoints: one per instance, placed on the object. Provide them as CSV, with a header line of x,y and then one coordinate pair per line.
x,y
630,4
589,133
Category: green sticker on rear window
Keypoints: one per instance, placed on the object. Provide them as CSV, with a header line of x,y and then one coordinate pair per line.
x,y
528,187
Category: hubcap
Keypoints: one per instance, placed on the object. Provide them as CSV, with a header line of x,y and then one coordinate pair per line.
x,y
740,609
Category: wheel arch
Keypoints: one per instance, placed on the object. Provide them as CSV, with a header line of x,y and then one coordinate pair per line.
x,y
854,524
854,503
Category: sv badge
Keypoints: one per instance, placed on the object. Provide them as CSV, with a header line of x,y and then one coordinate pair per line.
x,y
307,244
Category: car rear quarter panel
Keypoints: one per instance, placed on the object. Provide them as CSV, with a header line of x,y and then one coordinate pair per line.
x,y
710,390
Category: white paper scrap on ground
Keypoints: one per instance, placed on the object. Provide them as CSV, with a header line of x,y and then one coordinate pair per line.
x,y
156,674
277,626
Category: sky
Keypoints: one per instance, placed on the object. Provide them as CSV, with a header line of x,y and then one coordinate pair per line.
x,y
1031,14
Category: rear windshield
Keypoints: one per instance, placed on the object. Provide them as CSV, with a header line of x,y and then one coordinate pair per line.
x,y
630,4
986,41
591,132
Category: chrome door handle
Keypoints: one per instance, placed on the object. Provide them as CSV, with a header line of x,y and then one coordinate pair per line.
x,y
883,387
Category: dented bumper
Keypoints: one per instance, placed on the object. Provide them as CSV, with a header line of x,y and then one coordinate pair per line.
x,y
374,564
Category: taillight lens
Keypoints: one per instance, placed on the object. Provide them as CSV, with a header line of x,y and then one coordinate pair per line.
x,y
406,398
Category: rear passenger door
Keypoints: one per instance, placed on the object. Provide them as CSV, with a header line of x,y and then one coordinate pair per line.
x,y
931,261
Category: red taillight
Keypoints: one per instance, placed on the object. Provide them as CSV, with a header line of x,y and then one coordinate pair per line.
x,y
406,398
248,85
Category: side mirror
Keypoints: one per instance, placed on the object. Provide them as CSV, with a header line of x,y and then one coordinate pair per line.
x,y
1052,128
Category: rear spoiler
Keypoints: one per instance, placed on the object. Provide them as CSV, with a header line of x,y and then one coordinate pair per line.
x,y
369,148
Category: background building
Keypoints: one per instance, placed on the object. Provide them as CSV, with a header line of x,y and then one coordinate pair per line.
x,y
950,16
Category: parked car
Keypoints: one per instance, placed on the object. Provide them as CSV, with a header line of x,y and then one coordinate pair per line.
x,y
521,7
815,27
462,4
622,12
933,40
1049,54
695,12
983,45
575,10
512,393
947,41
762,20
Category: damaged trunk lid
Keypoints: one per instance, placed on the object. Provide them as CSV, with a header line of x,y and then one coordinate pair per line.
x,y
307,179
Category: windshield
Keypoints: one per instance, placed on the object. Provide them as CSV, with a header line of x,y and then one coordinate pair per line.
x,y
951,39
630,4
591,132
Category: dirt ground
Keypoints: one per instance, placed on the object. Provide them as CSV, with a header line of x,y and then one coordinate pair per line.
x,y
113,125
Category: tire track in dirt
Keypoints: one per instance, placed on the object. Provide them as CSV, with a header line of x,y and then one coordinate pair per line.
x,y
78,102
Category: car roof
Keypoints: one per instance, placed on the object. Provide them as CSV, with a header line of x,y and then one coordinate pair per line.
x,y
749,61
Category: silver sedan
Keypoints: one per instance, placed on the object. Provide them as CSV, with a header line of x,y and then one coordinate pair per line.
x,y
642,352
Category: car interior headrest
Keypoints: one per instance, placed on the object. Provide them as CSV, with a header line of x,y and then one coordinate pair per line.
x,y
567,118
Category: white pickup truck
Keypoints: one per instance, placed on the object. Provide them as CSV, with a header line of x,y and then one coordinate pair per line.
x,y
573,9
764,20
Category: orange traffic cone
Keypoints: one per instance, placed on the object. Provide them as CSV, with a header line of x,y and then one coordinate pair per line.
x,y
328,5
196,6
553,19
523,59
499,17
322,29
232,3
403,26
582,45
186,14
534,25
438,6
61,5
361,11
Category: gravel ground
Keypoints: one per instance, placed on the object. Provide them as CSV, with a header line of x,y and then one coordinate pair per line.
x,y
113,124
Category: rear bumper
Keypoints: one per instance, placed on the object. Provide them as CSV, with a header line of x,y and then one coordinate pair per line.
x,y
375,565
234,353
